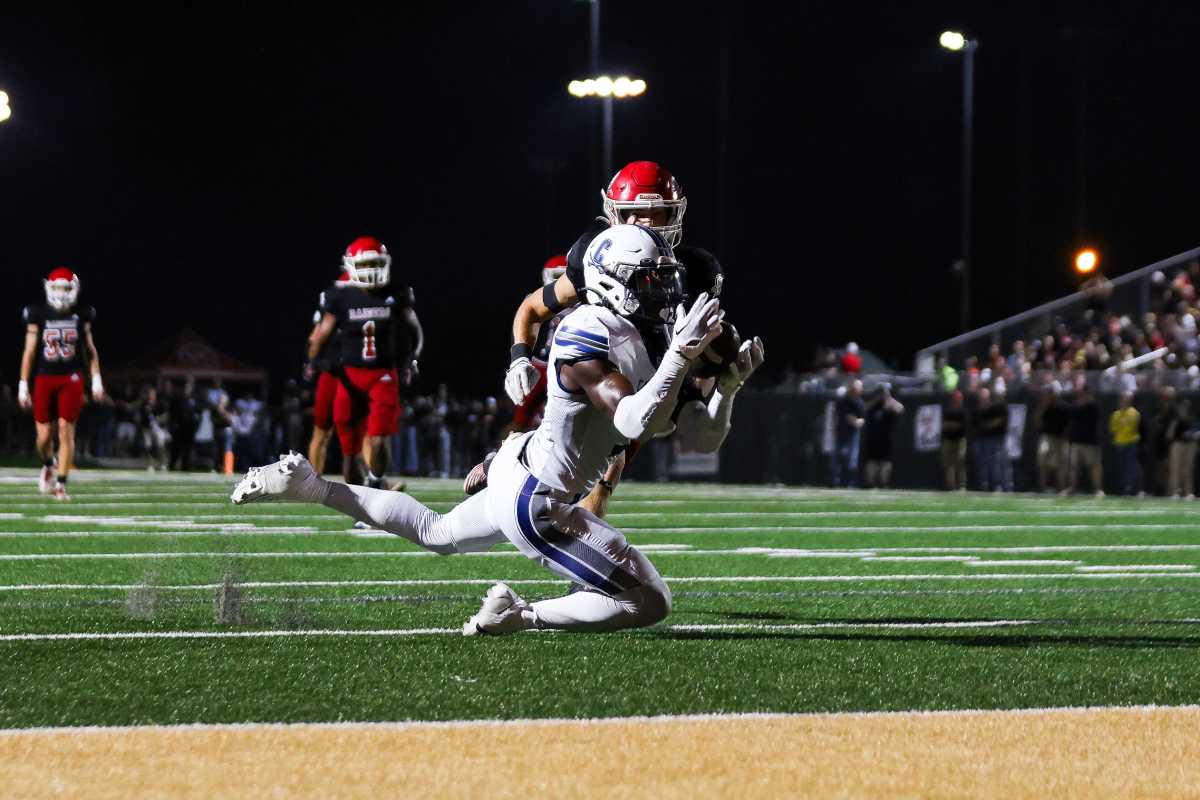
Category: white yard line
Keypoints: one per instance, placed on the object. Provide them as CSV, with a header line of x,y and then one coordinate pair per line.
x,y
717,627
1027,562
705,579
1138,567
1165,526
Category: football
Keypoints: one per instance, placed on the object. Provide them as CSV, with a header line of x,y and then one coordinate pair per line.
x,y
720,353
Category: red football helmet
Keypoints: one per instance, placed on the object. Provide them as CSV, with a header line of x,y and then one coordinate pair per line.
x,y
646,185
554,268
367,263
343,279
62,288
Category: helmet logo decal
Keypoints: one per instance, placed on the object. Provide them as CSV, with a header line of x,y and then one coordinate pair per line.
x,y
598,253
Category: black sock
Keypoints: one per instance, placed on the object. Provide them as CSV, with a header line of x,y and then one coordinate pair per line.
x,y
62,480
48,462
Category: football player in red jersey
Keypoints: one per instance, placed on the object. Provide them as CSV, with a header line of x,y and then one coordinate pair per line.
x,y
325,370
59,348
642,192
378,340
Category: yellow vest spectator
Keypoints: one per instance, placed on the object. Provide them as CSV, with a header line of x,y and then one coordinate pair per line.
x,y
1124,425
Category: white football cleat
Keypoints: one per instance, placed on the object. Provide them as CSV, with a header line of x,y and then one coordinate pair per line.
x,y
289,478
499,614
46,480
60,492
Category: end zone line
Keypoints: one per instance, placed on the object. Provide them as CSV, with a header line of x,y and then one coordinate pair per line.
x,y
717,716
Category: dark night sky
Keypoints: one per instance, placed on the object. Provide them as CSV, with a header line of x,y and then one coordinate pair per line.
x,y
207,166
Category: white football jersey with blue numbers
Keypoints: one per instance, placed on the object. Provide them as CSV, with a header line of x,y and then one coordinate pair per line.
x,y
570,449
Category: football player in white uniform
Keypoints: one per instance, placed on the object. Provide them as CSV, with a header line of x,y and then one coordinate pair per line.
x,y
604,392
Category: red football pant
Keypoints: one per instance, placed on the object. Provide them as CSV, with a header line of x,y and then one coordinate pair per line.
x,y
67,390
327,386
369,406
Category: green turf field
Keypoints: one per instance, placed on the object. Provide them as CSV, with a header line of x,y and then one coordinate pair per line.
x,y
785,600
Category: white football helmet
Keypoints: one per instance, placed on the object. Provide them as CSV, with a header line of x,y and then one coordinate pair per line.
x,y
632,270
62,289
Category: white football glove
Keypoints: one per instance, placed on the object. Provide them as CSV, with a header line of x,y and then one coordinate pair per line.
x,y
750,357
23,398
97,388
520,379
696,328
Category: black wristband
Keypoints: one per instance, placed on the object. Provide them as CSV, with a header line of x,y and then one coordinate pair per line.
x,y
519,350
606,484
550,299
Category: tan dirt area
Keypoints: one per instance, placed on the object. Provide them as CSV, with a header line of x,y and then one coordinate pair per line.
x,y
1112,752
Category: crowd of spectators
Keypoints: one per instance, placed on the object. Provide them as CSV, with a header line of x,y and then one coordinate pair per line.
x,y
183,425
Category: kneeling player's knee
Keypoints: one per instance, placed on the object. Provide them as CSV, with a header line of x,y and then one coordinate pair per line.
x,y
653,603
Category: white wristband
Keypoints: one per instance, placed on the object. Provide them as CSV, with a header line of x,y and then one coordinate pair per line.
x,y
97,384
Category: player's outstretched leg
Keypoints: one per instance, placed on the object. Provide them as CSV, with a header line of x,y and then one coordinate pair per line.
x,y
467,528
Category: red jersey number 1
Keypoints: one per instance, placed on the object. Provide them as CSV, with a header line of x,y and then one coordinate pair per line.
x,y
368,351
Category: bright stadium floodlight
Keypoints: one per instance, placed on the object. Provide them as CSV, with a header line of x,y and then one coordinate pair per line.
x,y
1086,261
5,109
605,87
952,40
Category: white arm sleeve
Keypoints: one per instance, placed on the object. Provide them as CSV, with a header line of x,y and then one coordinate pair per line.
x,y
649,409
702,428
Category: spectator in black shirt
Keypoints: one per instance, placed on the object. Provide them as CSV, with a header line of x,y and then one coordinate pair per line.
x,y
991,426
1054,452
954,443
1160,442
849,418
881,416
1182,452
183,418
1083,432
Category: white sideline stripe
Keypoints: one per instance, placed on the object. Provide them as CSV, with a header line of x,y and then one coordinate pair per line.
x,y
1162,526
1127,512
917,558
158,534
582,721
1133,567
630,515
281,634
987,576
1024,562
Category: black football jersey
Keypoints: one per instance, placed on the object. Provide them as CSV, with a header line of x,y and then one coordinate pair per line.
x,y
702,270
60,337
371,331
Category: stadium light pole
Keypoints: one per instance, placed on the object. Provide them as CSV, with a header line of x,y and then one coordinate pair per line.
x,y
608,90
957,42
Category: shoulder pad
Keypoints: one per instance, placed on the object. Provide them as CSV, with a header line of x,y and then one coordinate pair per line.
x,y
582,334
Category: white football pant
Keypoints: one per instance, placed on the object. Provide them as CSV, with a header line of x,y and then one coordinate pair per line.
x,y
626,589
